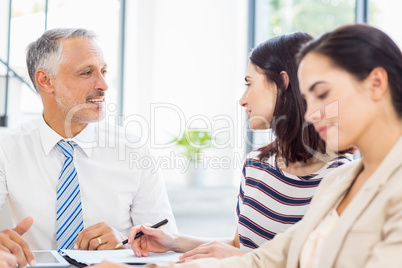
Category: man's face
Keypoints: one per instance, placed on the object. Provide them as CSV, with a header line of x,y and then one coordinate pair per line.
x,y
80,85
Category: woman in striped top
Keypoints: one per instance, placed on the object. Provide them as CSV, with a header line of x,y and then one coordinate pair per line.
x,y
271,199
279,179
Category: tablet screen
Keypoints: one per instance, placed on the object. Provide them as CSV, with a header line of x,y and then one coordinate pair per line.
x,y
48,259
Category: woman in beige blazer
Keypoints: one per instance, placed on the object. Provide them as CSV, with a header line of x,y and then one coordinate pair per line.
x,y
351,79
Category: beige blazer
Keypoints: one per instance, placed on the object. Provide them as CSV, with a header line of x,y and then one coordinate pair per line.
x,y
369,233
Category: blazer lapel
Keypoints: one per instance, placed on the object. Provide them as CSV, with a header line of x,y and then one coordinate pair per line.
x,y
319,209
359,203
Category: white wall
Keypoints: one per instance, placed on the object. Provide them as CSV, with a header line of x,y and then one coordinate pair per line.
x,y
191,55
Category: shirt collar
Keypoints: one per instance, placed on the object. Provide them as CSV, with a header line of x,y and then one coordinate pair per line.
x,y
85,139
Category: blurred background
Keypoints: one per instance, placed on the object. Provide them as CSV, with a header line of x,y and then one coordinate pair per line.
x,y
177,65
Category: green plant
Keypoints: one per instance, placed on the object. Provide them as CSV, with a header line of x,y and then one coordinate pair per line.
x,y
193,142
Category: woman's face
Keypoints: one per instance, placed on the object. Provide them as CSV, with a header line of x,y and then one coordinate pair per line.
x,y
259,98
338,105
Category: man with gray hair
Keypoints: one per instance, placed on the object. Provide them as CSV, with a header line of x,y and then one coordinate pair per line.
x,y
66,169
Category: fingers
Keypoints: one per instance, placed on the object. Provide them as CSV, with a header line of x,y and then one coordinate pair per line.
x,y
77,244
29,256
141,253
7,260
153,240
20,229
100,236
85,237
198,250
95,243
137,245
22,251
14,244
195,252
203,251
3,248
195,257
106,241
214,249
133,231
24,225
141,249
136,229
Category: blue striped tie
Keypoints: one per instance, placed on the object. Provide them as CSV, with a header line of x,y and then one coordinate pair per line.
x,y
69,213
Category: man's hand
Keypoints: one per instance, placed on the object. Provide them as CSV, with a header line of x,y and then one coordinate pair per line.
x,y
214,249
100,236
12,242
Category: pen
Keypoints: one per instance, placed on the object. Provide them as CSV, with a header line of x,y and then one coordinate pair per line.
x,y
138,235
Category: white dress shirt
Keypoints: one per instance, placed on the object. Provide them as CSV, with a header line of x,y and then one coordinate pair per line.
x,y
115,188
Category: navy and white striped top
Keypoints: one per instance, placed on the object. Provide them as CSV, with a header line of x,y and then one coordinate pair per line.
x,y
271,200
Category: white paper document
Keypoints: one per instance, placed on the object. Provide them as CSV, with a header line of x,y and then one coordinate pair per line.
x,y
120,255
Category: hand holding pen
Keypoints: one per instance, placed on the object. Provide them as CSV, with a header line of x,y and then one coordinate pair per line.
x,y
152,240
139,234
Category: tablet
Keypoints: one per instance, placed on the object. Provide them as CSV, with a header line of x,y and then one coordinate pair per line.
x,y
49,258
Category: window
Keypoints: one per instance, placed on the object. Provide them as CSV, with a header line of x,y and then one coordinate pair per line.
x,y
21,100
385,14
28,21
275,17
312,16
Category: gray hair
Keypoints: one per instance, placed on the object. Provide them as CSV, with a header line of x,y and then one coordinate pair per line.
x,y
45,53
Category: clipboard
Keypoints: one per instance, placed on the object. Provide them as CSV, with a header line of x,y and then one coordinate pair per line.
x,y
83,258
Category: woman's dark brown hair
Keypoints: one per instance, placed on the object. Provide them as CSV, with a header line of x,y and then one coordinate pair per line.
x,y
358,49
295,139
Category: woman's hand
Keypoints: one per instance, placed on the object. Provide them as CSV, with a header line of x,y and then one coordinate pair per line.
x,y
214,249
153,240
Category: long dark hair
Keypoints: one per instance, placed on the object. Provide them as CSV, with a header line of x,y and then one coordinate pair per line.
x,y
358,49
294,137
